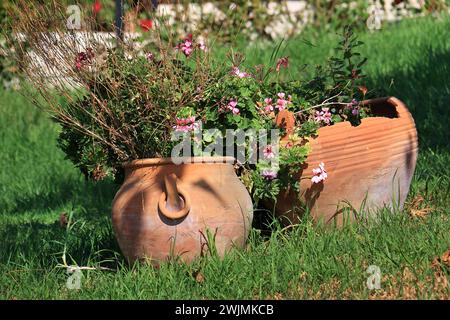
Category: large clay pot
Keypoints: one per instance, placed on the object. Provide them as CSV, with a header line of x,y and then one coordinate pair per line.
x,y
164,210
369,166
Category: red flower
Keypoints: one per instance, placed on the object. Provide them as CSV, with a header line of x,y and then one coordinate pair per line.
x,y
97,7
146,24
84,58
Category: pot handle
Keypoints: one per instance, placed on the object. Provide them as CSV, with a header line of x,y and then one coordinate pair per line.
x,y
175,202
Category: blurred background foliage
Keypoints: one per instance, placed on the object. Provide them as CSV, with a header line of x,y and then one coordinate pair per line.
x,y
223,21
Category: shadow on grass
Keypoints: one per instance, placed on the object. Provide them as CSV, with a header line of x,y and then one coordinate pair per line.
x,y
92,197
425,89
88,242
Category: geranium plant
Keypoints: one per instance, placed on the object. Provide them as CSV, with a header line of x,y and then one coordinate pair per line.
x,y
117,104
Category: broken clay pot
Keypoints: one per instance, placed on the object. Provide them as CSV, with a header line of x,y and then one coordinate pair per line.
x,y
369,166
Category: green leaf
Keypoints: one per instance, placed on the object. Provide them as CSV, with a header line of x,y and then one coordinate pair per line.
x,y
245,92
336,118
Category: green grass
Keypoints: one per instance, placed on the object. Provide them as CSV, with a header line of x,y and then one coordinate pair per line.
x,y
409,60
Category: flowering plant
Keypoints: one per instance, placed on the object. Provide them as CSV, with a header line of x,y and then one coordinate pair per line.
x,y
116,104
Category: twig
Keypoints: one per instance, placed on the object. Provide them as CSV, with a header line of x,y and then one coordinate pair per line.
x,y
331,98
323,104
71,267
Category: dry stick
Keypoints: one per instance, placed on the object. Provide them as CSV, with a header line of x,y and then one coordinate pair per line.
x,y
43,40
70,121
71,267
61,112
38,43
323,104
111,129
331,98
67,119
127,136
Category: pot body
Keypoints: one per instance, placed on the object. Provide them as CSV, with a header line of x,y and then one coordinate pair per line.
x,y
369,166
219,208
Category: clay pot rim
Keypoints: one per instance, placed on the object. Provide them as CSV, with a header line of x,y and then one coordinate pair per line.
x,y
393,101
398,105
402,113
186,160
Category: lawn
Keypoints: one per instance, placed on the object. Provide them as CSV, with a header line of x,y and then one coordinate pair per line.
x,y
409,60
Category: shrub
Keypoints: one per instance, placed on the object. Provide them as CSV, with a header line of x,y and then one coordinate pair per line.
x,y
116,105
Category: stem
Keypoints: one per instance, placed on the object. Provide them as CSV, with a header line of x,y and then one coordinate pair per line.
x,y
323,104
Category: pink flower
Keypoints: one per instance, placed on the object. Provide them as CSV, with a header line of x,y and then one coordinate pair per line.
x,y
149,56
282,102
268,174
354,105
318,116
185,124
186,46
238,73
268,107
268,152
324,115
320,174
202,45
187,50
231,106
282,62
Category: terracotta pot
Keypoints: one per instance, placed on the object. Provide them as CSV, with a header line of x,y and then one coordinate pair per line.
x,y
368,166
165,210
